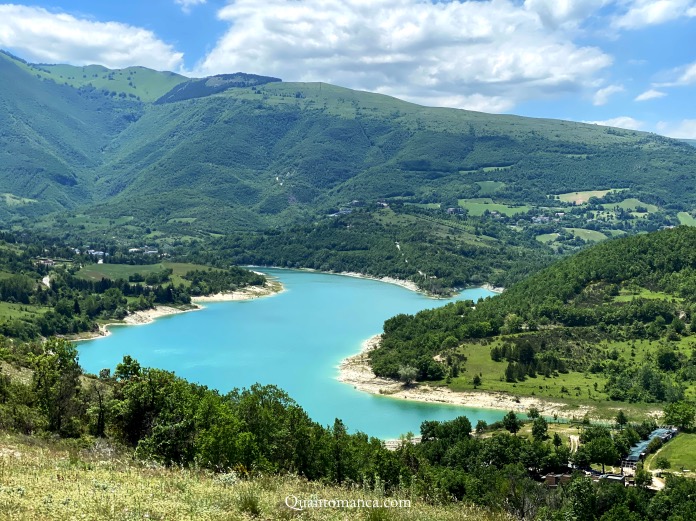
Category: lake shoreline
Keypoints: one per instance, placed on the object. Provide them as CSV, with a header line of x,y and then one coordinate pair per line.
x,y
147,316
355,370
410,285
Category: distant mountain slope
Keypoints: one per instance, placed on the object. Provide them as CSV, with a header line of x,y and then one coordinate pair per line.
x,y
240,151
200,88
133,82
51,137
282,150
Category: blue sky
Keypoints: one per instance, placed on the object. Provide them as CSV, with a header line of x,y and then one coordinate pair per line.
x,y
628,63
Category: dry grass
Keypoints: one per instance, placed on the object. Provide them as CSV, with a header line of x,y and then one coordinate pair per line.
x,y
61,481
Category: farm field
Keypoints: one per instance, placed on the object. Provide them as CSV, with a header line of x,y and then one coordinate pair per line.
x,y
10,311
546,238
627,296
123,271
477,207
582,197
631,204
686,219
490,187
587,235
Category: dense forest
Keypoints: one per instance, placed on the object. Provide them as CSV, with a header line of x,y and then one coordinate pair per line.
x,y
437,253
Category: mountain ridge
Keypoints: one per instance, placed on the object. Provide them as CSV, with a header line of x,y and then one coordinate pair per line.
x,y
267,153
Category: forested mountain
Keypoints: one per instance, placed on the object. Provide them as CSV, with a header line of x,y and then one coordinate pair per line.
x,y
51,139
267,171
240,151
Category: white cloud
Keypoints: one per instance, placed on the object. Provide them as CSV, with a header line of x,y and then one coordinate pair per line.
x,y
688,75
650,94
685,129
43,36
469,54
681,76
641,13
601,97
187,5
568,13
620,122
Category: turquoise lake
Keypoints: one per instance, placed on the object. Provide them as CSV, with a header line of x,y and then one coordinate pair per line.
x,y
294,340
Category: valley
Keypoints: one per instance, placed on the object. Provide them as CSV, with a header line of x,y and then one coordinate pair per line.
x,y
129,195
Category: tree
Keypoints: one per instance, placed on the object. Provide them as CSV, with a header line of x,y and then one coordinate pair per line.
x,y
557,440
407,374
511,423
602,450
481,426
621,419
56,382
533,413
129,368
680,414
513,324
477,381
510,375
643,477
663,463
540,429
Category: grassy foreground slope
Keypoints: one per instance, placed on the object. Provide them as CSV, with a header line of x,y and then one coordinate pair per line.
x,y
71,480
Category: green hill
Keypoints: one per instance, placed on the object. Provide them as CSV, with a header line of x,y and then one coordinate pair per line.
x,y
200,88
283,151
616,320
133,82
90,153
240,151
51,140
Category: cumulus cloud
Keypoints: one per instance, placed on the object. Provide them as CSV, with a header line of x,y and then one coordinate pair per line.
x,y
685,129
641,13
187,5
650,94
620,122
567,13
468,54
601,97
43,36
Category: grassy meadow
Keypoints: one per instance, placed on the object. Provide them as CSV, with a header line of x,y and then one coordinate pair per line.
x,y
680,452
476,207
123,271
92,480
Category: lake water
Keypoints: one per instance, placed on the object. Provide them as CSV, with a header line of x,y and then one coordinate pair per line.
x,y
294,340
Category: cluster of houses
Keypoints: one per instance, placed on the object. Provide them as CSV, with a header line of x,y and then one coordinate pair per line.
x,y
637,453
554,480
145,250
